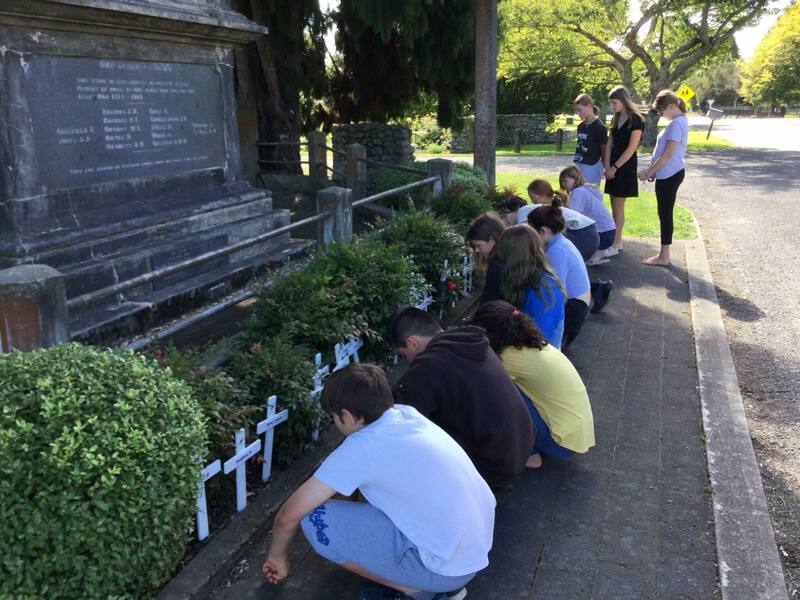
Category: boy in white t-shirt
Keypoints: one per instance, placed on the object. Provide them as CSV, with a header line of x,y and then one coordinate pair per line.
x,y
427,525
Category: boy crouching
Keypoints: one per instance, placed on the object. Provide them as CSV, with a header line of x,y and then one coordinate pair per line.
x,y
427,525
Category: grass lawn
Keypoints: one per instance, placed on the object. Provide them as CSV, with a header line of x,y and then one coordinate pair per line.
x,y
641,217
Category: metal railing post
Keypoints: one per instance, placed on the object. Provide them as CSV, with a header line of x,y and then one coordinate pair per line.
x,y
317,155
357,170
337,203
441,168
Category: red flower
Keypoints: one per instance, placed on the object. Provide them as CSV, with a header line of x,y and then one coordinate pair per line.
x,y
451,284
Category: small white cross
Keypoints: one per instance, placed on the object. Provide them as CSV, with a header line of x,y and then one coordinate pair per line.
x,y
267,428
202,508
238,462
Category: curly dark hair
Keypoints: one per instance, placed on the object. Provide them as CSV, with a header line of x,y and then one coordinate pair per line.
x,y
506,326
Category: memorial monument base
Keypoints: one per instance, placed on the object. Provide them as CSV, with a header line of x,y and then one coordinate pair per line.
x,y
120,155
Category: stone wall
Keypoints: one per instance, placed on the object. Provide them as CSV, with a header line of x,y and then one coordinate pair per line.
x,y
384,143
533,128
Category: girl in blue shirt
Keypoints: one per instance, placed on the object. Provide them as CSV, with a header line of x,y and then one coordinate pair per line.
x,y
529,282
567,264
667,166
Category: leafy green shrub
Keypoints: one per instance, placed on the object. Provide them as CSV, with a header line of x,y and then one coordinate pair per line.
x,y
495,196
285,370
426,132
427,241
390,179
222,399
435,149
99,460
470,178
459,206
307,307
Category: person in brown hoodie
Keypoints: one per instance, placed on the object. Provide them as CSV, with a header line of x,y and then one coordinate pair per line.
x,y
457,381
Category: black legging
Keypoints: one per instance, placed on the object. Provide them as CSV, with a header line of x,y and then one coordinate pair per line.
x,y
666,192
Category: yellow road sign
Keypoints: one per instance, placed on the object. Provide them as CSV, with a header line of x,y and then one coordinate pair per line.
x,y
685,93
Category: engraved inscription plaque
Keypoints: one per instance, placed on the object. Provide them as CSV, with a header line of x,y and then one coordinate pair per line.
x,y
98,120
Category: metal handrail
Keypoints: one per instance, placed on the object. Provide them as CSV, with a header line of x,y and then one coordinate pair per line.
x,y
265,144
123,286
384,165
335,151
397,190
282,162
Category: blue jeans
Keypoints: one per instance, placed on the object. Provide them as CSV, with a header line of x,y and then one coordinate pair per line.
x,y
545,444
591,173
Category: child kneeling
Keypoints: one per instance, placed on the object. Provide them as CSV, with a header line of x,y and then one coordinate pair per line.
x,y
550,386
410,535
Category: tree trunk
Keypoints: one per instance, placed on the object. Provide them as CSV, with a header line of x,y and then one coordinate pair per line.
x,y
278,109
650,128
485,86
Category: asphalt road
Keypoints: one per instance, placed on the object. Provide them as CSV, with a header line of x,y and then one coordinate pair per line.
x,y
747,201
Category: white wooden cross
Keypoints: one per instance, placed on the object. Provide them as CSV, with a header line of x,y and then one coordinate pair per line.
x,y
202,507
319,375
467,274
426,301
347,352
238,462
267,428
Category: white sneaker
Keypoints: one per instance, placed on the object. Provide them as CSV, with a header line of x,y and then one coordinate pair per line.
x,y
611,251
596,261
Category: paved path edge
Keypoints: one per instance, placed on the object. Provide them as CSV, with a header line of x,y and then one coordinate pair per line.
x,y
749,565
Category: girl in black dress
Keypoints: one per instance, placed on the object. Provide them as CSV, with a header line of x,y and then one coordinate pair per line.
x,y
619,158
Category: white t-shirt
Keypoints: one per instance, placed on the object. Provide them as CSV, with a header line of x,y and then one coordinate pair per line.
x,y
572,218
421,479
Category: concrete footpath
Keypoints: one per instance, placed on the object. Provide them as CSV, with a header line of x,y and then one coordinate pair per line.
x,y
632,518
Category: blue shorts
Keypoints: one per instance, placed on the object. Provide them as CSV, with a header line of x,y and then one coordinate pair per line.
x,y
606,239
545,444
591,173
358,532
586,239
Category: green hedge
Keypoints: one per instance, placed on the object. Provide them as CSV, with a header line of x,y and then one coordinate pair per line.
x,y
99,454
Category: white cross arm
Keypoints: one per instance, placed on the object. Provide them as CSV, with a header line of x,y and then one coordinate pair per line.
x,y
242,456
272,422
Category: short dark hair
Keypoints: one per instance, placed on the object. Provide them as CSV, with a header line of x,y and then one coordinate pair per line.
x,y
361,389
408,321
511,204
507,326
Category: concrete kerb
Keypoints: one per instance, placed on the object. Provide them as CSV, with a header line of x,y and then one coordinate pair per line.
x,y
749,565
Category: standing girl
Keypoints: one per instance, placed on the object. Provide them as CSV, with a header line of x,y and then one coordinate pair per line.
x,y
592,138
667,166
620,159
482,235
529,282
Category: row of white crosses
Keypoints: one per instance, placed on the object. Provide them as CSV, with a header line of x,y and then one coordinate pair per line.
x,y
465,272
345,353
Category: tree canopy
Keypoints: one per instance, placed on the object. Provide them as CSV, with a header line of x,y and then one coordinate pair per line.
x,y
773,73
646,52
393,52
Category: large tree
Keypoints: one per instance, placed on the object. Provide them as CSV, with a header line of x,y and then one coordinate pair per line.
x,y
393,52
650,51
773,73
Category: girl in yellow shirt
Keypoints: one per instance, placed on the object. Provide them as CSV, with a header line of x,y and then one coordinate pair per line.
x,y
550,386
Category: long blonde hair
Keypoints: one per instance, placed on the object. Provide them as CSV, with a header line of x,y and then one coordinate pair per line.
x,y
621,93
525,265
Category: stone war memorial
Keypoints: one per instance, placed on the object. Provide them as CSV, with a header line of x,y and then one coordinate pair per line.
x,y
120,153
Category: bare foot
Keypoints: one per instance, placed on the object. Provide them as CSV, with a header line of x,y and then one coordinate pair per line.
x,y
656,261
534,461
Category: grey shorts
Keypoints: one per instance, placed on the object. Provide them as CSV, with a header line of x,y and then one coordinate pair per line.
x,y
591,173
357,532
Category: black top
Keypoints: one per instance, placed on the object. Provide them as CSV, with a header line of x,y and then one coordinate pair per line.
x,y
591,138
621,136
491,283
461,385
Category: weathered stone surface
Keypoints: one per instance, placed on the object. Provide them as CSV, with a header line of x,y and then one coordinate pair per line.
x,y
119,144
384,143
533,130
